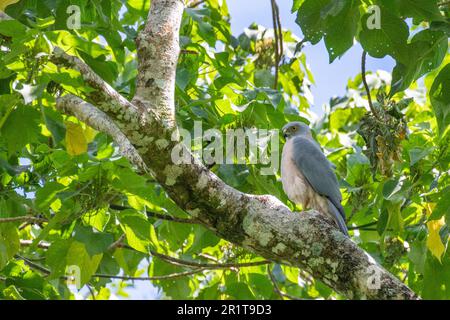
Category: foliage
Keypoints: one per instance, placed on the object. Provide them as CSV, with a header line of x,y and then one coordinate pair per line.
x,y
85,197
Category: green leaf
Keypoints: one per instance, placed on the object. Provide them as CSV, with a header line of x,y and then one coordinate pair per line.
x,y
56,257
264,78
23,119
390,39
440,98
239,290
96,242
416,154
341,26
424,54
9,243
78,256
336,21
310,20
421,9
136,228
47,194
12,28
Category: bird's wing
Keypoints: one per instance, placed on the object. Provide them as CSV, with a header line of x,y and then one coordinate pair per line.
x,y
316,168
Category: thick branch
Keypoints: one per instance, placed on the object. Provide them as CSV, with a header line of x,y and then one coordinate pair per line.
x,y
98,120
158,51
125,115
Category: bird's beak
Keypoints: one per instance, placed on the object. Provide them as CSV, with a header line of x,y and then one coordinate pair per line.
x,y
284,135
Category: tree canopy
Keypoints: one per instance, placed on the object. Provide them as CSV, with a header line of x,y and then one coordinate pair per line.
x,y
74,211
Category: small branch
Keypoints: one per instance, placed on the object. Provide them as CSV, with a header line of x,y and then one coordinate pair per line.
x,y
28,243
154,278
280,30
278,34
157,215
277,289
4,16
443,3
117,243
366,86
98,120
33,265
374,223
47,272
91,291
186,263
104,96
169,259
29,219
184,51
195,3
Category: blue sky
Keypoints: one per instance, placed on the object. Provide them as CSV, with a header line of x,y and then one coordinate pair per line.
x,y
331,79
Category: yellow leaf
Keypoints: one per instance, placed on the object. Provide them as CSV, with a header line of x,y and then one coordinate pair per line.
x,y
434,242
76,143
5,3
89,134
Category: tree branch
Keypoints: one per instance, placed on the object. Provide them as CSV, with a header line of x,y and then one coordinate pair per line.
x,y
29,219
46,271
366,86
122,112
4,16
158,49
98,120
157,215
278,39
169,259
154,278
210,266
277,288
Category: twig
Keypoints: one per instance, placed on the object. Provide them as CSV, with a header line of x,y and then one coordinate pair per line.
x,y
33,265
91,291
28,243
156,215
363,225
117,243
29,219
277,288
175,261
154,278
108,276
278,34
185,51
443,3
207,265
195,4
366,86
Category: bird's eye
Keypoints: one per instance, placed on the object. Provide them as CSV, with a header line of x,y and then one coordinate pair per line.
x,y
294,129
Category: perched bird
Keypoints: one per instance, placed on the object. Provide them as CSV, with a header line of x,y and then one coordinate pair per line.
x,y
308,177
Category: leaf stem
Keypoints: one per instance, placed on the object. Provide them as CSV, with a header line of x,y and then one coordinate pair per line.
x,y
366,86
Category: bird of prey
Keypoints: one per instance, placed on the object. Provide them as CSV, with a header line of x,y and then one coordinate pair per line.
x,y
308,177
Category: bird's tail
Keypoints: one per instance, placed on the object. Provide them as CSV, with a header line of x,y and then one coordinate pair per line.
x,y
336,215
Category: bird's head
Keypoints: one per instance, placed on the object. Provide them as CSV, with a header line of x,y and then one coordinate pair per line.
x,y
293,129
